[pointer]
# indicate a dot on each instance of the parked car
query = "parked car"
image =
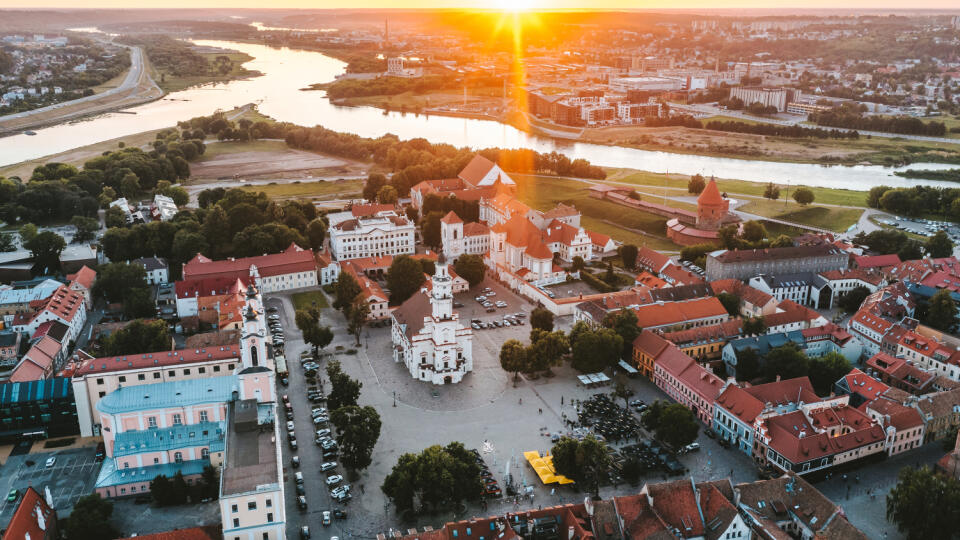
(334, 480)
(326, 518)
(295, 462)
(304, 532)
(323, 432)
(692, 447)
(298, 477)
(328, 466)
(51, 461)
(302, 502)
(339, 514)
(101, 452)
(13, 495)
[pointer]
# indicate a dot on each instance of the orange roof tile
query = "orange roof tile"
(710, 195)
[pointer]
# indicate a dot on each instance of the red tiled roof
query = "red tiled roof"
(63, 303)
(85, 276)
(650, 280)
(865, 385)
(714, 332)
(650, 343)
(901, 416)
(474, 172)
(597, 239)
(654, 315)
(877, 261)
(38, 362)
(157, 359)
(653, 260)
(200, 288)
(689, 373)
(451, 218)
(853, 273)
(475, 228)
(747, 403)
(25, 523)
(293, 259)
(364, 210)
(680, 276)
(710, 195)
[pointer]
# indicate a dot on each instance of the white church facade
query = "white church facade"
(428, 337)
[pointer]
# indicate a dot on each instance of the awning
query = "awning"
(543, 466)
(628, 368)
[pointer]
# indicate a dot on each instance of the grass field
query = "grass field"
(845, 197)
(827, 217)
(173, 83)
(306, 300)
(320, 189)
(544, 192)
(234, 147)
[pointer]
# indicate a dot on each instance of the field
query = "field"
(267, 159)
(306, 300)
(619, 222)
(874, 150)
(827, 217)
(321, 189)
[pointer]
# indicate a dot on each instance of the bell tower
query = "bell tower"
(253, 339)
(441, 298)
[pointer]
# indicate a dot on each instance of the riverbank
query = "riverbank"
(174, 83)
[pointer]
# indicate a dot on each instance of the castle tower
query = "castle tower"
(712, 208)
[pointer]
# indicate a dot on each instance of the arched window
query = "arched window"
(178, 457)
(204, 453)
(253, 354)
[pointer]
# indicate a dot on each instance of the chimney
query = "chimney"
(778, 378)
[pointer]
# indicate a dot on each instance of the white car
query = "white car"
(334, 480)
(328, 466)
(51, 461)
(290, 426)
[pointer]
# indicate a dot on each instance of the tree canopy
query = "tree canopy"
(358, 429)
(404, 278)
(438, 477)
(925, 504)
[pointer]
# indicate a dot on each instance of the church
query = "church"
(428, 337)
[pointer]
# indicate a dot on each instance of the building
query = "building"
(841, 282)
(687, 382)
(33, 519)
(804, 288)
(43, 359)
(929, 354)
(461, 238)
(744, 264)
(790, 507)
(157, 270)
(9, 348)
(681, 315)
(64, 305)
(647, 347)
(95, 378)
(428, 336)
(17, 297)
(900, 373)
(713, 212)
(327, 268)
(82, 282)
(941, 414)
(768, 97)
(37, 409)
(293, 268)
(705, 343)
(902, 424)
(753, 303)
(681, 509)
(813, 342)
(373, 295)
(377, 235)
(163, 208)
(251, 482)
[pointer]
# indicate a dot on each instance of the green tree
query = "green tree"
(187, 244)
(358, 430)
(346, 290)
(786, 361)
(803, 196)
(115, 217)
(316, 232)
(924, 504)
(470, 268)
(27, 232)
(731, 303)
(911, 250)
(578, 264)
(404, 278)
(178, 489)
(90, 519)
(597, 350)
(628, 253)
(430, 229)
(116, 280)
(753, 231)
(357, 317)
(942, 311)
(372, 186)
(826, 370)
(624, 323)
(754, 326)
(542, 319)
(46, 248)
(86, 228)
(344, 391)
(782, 241)
(621, 389)
(161, 489)
(677, 426)
(547, 349)
(851, 300)
(939, 245)
(130, 185)
(439, 476)
(771, 191)
(583, 461)
(139, 337)
(513, 357)
(748, 364)
(696, 184)
(387, 195)
(876, 192)
(139, 303)
(7, 242)
(400, 486)
(318, 337)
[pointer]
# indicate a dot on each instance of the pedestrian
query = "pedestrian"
(521, 401)
(541, 410)
(561, 400)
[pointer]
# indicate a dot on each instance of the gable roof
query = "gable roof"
(32, 518)
(85, 277)
(451, 218)
(483, 172)
(293, 259)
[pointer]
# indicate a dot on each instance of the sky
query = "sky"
(487, 4)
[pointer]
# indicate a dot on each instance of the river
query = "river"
(286, 71)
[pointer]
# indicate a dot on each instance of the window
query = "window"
(171, 373)
(152, 422)
(204, 453)
(203, 416)
(233, 508)
(269, 517)
(202, 370)
(156, 461)
(99, 381)
(216, 368)
(266, 536)
(141, 377)
(177, 420)
(178, 457)
(123, 378)
(230, 367)
(156, 374)
(186, 372)
(236, 522)
(252, 505)
(269, 503)
(101, 394)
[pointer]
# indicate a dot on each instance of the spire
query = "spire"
(711, 194)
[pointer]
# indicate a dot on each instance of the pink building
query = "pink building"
(686, 381)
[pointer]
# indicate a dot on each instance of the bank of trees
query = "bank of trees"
(777, 130)
(390, 86)
(852, 117)
(916, 200)
(140, 336)
(673, 423)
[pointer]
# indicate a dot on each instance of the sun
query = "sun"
(517, 5)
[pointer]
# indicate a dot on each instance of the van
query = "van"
(298, 477)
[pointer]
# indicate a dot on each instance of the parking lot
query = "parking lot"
(923, 227)
(72, 476)
(487, 411)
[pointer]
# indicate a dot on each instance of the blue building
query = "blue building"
(37, 409)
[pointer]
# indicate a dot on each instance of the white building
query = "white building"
(163, 208)
(157, 269)
(377, 235)
(428, 336)
(463, 238)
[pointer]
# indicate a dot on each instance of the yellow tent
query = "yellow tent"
(543, 466)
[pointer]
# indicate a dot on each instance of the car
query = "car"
(329, 445)
(323, 432)
(295, 462)
(101, 452)
(343, 497)
(637, 402)
(342, 489)
(271, 310)
(334, 480)
(475, 326)
(293, 444)
(317, 411)
(13, 495)
(51, 461)
(458, 304)
(492, 293)
(491, 310)
(298, 477)
(326, 518)
(304, 532)
(285, 398)
(692, 447)
(301, 490)
(284, 381)
(328, 466)
(711, 433)
(291, 436)
(339, 514)
(273, 317)
(302, 502)
(501, 304)
(320, 420)
(330, 454)
(289, 426)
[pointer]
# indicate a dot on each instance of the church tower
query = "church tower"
(451, 235)
(253, 338)
(441, 298)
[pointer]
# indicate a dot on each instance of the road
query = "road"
(137, 87)
(713, 110)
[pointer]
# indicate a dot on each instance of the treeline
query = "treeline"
(777, 130)
(58, 191)
(949, 175)
(916, 200)
(229, 223)
(389, 86)
(684, 120)
(849, 118)
(170, 55)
